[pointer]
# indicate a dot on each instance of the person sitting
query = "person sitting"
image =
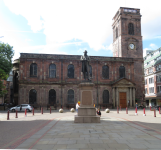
(98, 112)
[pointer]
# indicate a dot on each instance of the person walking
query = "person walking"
(77, 106)
(136, 106)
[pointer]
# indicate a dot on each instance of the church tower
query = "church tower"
(127, 39)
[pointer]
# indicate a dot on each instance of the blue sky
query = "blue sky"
(71, 26)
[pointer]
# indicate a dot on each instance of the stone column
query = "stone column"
(130, 96)
(117, 102)
(133, 97)
(113, 92)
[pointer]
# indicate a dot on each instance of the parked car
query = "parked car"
(24, 106)
(157, 107)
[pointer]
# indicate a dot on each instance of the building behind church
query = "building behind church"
(51, 79)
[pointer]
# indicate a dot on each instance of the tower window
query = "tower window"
(116, 33)
(131, 29)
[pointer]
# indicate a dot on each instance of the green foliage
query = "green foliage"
(6, 54)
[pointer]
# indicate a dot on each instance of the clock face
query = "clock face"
(131, 46)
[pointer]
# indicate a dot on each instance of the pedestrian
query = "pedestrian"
(136, 106)
(20, 107)
(77, 106)
(98, 112)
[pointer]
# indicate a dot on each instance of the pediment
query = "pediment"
(124, 83)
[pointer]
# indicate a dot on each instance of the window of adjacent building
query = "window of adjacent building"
(32, 96)
(33, 70)
(71, 96)
(122, 71)
(158, 89)
(151, 80)
(52, 71)
(131, 29)
(145, 90)
(70, 71)
(106, 97)
(52, 97)
(151, 70)
(145, 81)
(105, 72)
(151, 90)
(90, 70)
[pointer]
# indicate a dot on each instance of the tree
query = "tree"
(6, 54)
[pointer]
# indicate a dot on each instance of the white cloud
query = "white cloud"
(153, 46)
(89, 21)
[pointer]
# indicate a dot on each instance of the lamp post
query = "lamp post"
(97, 83)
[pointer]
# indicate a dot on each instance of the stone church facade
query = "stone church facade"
(50, 79)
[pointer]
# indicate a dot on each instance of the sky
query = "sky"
(72, 26)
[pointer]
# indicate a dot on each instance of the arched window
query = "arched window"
(33, 70)
(105, 97)
(90, 70)
(116, 33)
(52, 97)
(52, 71)
(131, 29)
(105, 72)
(71, 96)
(70, 71)
(122, 71)
(32, 96)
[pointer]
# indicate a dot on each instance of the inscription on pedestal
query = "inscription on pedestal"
(86, 98)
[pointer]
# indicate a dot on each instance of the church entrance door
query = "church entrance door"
(52, 97)
(122, 96)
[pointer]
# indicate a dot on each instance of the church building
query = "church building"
(53, 79)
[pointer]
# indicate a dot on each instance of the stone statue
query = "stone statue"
(85, 65)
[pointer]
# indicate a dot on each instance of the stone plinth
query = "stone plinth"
(86, 111)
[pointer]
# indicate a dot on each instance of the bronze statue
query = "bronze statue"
(85, 65)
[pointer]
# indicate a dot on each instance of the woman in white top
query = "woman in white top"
(77, 105)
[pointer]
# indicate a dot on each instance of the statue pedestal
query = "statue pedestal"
(86, 111)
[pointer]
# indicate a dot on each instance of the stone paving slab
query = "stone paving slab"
(92, 136)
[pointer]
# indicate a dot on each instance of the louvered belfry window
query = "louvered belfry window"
(105, 72)
(70, 96)
(52, 71)
(32, 96)
(33, 70)
(106, 97)
(70, 71)
(131, 29)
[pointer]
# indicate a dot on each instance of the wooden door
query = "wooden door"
(123, 102)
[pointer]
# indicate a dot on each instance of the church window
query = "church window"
(122, 71)
(71, 96)
(52, 71)
(105, 97)
(131, 29)
(90, 70)
(32, 96)
(33, 70)
(70, 71)
(52, 97)
(105, 72)
(116, 33)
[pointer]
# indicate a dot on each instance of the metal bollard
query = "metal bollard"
(154, 112)
(144, 112)
(33, 111)
(126, 110)
(150, 108)
(50, 109)
(136, 111)
(16, 114)
(25, 113)
(41, 110)
(8, 113)
(117, 110)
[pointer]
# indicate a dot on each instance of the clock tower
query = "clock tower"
(127, 39)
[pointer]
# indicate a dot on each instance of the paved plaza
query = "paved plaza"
(59, 132)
